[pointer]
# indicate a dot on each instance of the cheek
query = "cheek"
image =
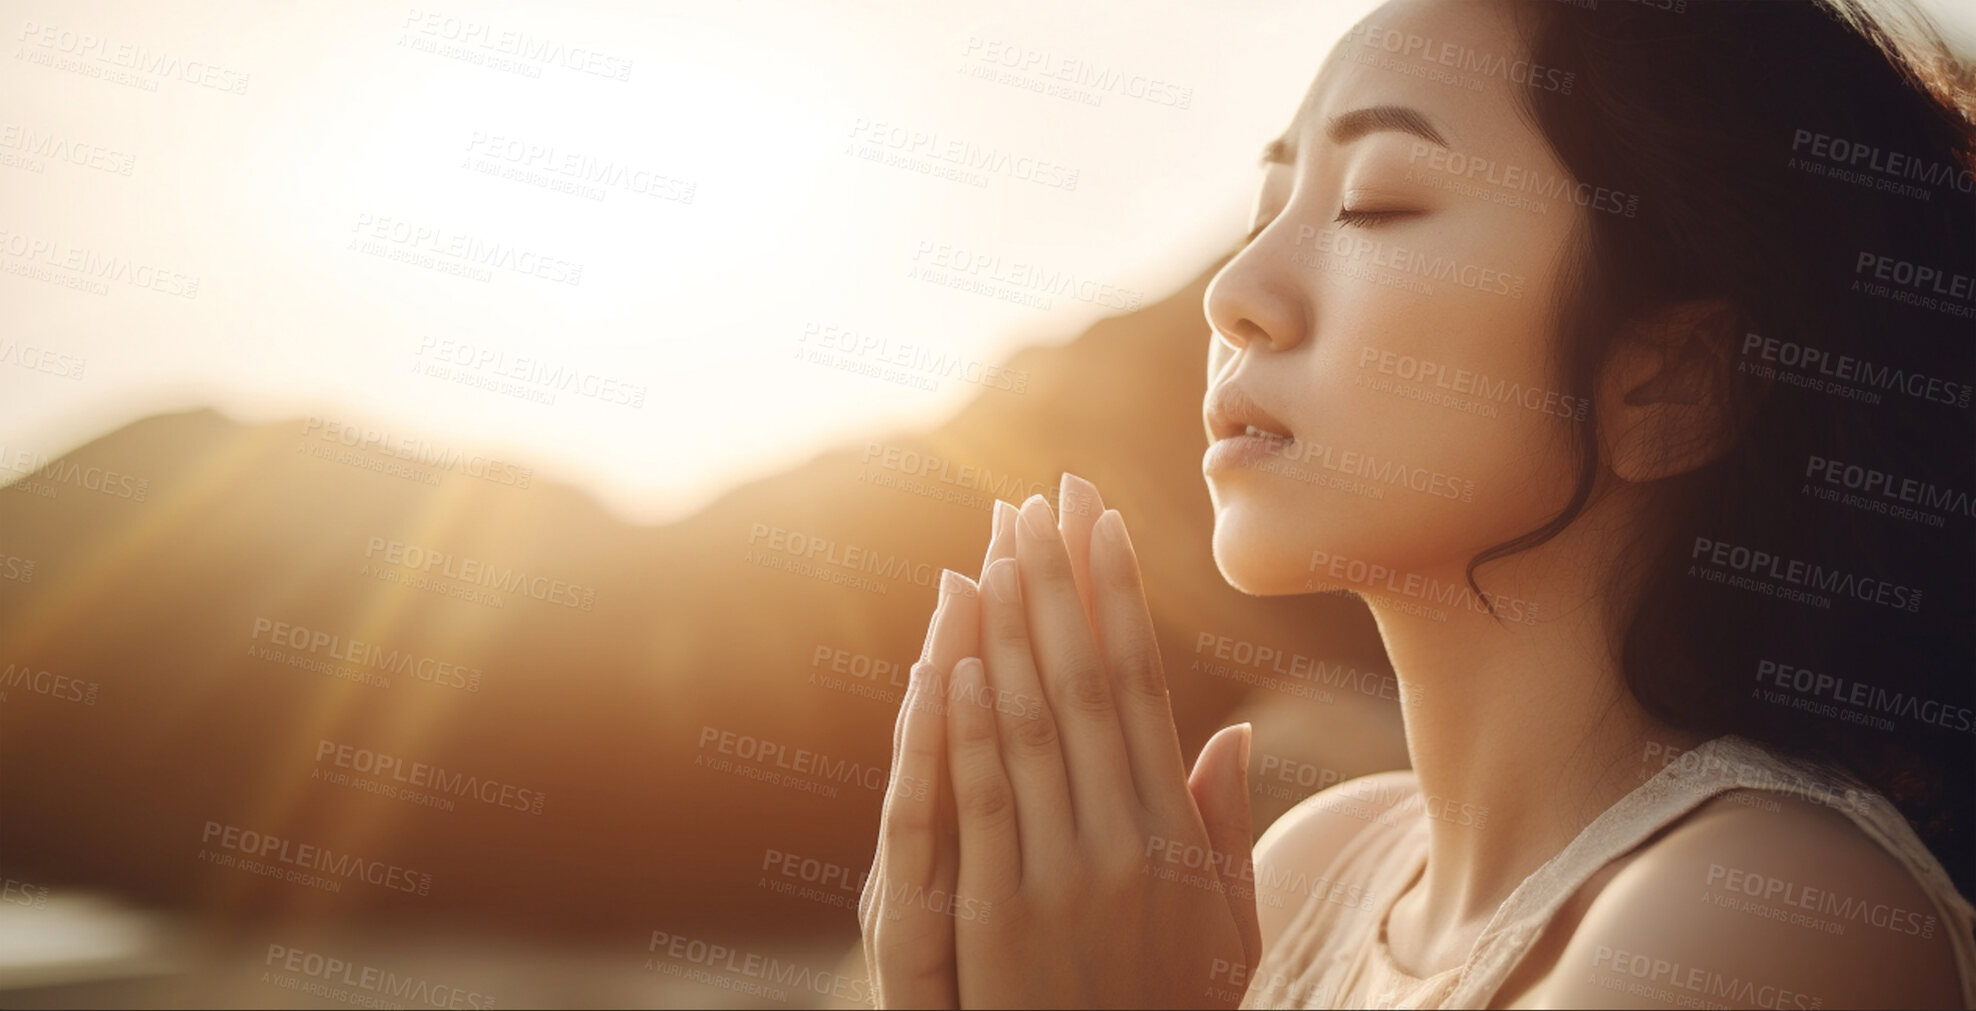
(1428, 429)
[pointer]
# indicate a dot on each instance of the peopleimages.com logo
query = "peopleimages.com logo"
(1799, 574)
(296, 861)
(477, 572)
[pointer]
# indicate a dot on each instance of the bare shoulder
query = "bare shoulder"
(1295, 853)
(1757, 900)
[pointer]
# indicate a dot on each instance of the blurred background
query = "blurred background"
(476, 475)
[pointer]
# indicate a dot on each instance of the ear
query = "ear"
(1664, 405)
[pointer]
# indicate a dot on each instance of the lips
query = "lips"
(1231, 413)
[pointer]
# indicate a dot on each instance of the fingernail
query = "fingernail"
(995, 522)
(952, 584)
(916, 675)
(923, 688)
(969, 676)
(1111, 527)
(1004, 520)
(1077, 496)
(932, 625)
(1036, 517)
(1248, 735)
(1001, 579)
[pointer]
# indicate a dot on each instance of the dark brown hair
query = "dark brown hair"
(1806, 163)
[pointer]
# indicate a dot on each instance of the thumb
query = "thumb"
(1220, 785)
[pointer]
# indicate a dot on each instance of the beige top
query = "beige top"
(1333, 953)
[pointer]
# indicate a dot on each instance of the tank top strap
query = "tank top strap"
(1321, 954)
(1729, 762)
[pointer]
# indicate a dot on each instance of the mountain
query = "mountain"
(163, 721)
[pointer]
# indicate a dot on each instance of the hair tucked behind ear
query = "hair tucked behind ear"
(1802, 161)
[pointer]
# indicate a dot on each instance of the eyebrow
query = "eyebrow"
(1350, 126)
(1347, 127)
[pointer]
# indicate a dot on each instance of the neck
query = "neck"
(1521, 731)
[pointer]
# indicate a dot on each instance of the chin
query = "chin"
(1257, 556)
(1265, 545)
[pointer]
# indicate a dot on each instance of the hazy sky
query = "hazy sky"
(648, 248)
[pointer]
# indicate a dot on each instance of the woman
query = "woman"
(1618, 354)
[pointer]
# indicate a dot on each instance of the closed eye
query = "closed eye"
(1356, 218)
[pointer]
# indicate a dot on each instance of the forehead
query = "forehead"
(1462, 63)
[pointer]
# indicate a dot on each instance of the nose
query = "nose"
(1256, 299)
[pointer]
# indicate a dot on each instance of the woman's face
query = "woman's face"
(1391, 318)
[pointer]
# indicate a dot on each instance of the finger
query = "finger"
(1220, 786)
(898, 736)
(1030, 748)
(871, 895)
(933, 627)
(911, 940)
(953, 633)
(1078, 507)
(1074, 680)
(984, 800)
(956, 627)
(908, 829)
(1131, 655)
(1001, 541)
(917, 846)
